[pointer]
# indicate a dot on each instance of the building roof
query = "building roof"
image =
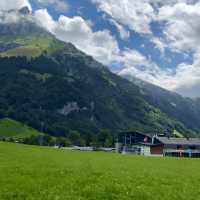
(180, 141)
(148, 144)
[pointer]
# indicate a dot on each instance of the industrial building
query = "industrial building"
(157, 145)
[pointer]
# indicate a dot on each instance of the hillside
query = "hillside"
(48, 81)
(186, 110)
(13, 129)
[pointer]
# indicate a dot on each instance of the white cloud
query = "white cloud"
(188, 78)
(159, 44)
(44, 19)
(6, 5)
(59, 5)
(137, 15)
(139, 66)
(132, 57)
(182, 25)
(124, 33)
(78, 31)
(181, 30)
(160, 3)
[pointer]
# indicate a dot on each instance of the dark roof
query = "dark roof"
(179, 141)
(148, 144)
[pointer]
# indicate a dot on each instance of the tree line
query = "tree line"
(103, 139)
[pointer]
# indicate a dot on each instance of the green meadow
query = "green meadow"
(30, 46)
(42, 173)
(12, 129)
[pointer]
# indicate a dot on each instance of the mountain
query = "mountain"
(24, 11)
(50, 84)
(185, 110)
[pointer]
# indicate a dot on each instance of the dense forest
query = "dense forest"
(59, 97)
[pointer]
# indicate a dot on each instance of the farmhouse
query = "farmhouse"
(146, 144)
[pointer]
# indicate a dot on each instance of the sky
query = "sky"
(155, 40)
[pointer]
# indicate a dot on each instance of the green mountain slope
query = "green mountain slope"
(30, 46)
(185, 110)
(12, 129)
(45, 80)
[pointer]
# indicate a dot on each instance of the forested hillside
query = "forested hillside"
(45, 81)
(186, 110)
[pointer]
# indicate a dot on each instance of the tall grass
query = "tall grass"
(39, 173)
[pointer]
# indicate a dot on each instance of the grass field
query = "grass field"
(11, 128)
(39, 173)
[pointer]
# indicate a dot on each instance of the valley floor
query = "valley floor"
(39, 173)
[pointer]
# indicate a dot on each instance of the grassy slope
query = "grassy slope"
(30, 46)
(11, 128)
(31, 173)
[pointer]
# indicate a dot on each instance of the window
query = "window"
(179, 146)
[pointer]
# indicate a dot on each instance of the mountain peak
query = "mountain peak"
(24, 10)
(21, 24)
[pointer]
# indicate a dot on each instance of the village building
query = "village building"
(157, 145)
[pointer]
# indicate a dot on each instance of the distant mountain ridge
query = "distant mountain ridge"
(186, 110)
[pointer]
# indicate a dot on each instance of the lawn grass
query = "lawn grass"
(39, 173)
(12, 129)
